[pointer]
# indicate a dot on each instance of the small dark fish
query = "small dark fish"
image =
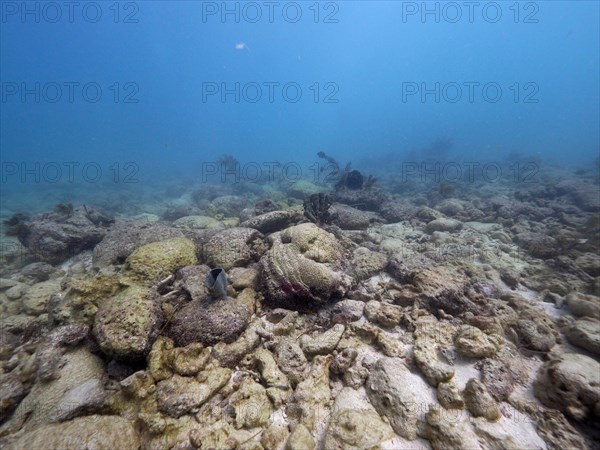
(216, 282)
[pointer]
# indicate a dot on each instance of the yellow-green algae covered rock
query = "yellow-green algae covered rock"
(197, 222)
(251, 405)
(97, 432)
(303, 188)
(355, 430)
(127, 324)
(81, 301)
(152, 262)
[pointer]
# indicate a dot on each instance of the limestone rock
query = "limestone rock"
(356, 430)
(197, 222)
(81, 301)
(443, 287)
(227, 205)
(559, 434)
(86, 398)
(189, 360)
(125, 236)
(234, 247)
(278, 386)
(390, 346)
(392, 397)
(322, 343)
(11, 393)
(354, 423)
(40, 405)
(353, 309)
(291, 360)
(349, 218)
(539, 245)
(479, 401)
(242, 278)
(191, 280)
(97, 432)
(303, 188)
(219, 435)
(491, 436)
(248, 297)
(38, 271)
(272, 221)
(443, 224)
(343, 360)
(471, 341)
(159, 358)
(383, 314)
(16, 290)
(444, 432)
(287, 325)
(127, 324)
(428, 214)
(300, 439)
(179, 395)
(312, 395)
(35, 299)
(497, 376)
(570, 383)
(53, 237)
(251, 405)
(229, 355)
(449, 396)
(429, 336)
(590, 263)
(585, 333)
(50, 353)
(209, 322)
(152, 262)
(273, 437)
(582, 305)
(535, 335)
(138, 385)
(366, 263)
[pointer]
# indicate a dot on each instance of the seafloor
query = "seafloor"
(397, 314)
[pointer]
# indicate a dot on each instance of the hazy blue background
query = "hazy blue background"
(368, 54)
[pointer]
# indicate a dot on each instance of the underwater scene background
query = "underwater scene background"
(299, 225)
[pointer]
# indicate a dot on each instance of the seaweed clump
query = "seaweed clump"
(347, 178)
(354, 180)
(17, 226)
(316, 208)
(64, 209)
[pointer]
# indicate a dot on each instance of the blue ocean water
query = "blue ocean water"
(296, 224)
(154, 91)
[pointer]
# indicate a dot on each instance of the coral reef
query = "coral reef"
(335, 314)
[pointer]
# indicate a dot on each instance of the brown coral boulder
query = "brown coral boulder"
(303, 268)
